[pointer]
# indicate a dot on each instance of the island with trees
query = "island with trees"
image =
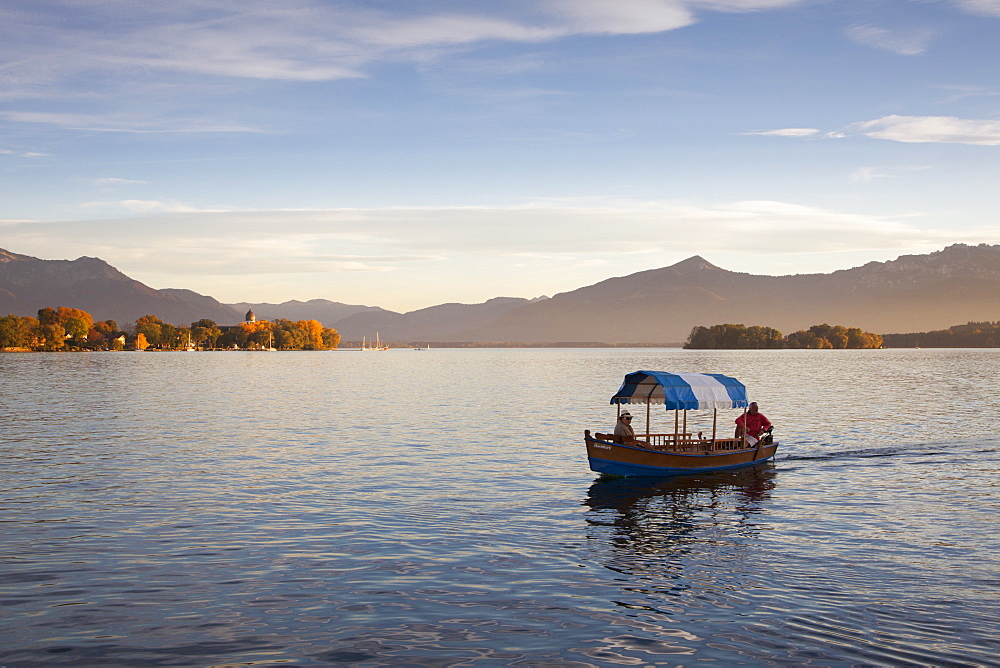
(67, 329)
(741, 337)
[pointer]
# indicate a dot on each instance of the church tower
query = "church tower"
(250, 317)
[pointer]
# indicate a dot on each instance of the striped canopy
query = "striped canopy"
(682, 391)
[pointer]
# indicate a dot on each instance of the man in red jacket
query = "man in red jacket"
(756, 422)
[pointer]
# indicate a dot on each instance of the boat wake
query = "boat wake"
(924, 449)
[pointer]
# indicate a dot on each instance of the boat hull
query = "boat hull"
(625, 460)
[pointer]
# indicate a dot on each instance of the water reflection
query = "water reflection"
(634, 497)
(652, 525)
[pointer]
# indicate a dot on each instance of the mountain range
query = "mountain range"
(28, 284)
(958, 284)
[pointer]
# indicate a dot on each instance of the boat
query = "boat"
(378, 344)
(682, 450)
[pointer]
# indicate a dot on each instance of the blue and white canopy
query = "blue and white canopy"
(682, 391)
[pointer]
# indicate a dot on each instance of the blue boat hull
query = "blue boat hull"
(616, 459)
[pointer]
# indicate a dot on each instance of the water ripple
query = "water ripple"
(227, 509)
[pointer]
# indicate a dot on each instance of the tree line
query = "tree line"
(970, 335)
(736, 337)
(67, 328)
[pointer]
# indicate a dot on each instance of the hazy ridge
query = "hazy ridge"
(913, 293)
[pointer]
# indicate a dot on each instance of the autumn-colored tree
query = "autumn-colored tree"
(18, 332)
(50, 329)
(856, 338)
(806, 339)
(256, 333)
(314, 334)
(66, 314)
(56, 327)
(103, 334)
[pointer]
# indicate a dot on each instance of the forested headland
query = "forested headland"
(67, 329)
(969, 335)
(738, 337)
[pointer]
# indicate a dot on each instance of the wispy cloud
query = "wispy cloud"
(141, 206)
(958, 93)
(179, 230)
(22, 154)
(785, 132)
(122, 123)
(599, 16)
(932, 129)
(387, 256)
(908, 129)
(904, 43)
(982, 7)
(111, 181)
(300, 40)
(867, 174)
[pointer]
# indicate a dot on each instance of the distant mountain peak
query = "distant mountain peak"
(694, 263)
(7, 256)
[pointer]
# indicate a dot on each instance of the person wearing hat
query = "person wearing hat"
(624, 432)
(755, 422)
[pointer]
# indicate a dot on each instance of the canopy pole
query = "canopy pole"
(676, 416)
(715, 418)
(744, 430)
(649, 402)
(685, 430)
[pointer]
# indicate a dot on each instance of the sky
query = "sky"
(406, 154)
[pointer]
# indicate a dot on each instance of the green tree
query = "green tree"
(288, 335)
(331, 338)
(700, 338)
(738, 336)
(76, 328)
(205, 336)
(205, 333)
(734, 336)
(169, 336)
(151, 328)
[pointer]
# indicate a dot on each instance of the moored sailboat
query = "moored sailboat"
(378, 344)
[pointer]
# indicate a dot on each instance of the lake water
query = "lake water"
(435, 508)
